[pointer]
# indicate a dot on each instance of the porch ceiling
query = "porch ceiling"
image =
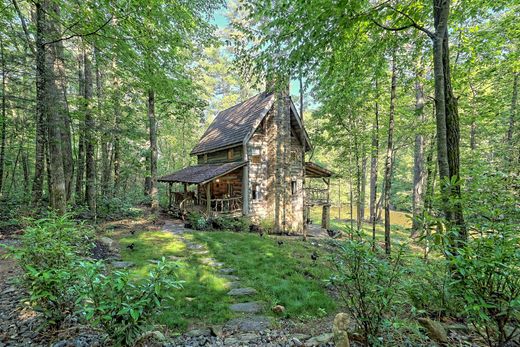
(313, 170)
(200, 174)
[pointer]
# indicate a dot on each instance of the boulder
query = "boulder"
(435, 330)
(319, 340)
(340, 330)
(109, 243)
(122, 264)
(278, 309)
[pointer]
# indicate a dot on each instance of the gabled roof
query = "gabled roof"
(200, 174)
(232, 125)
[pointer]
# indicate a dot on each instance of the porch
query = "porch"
(317, 192)
(215, 189)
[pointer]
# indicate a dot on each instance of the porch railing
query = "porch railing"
(316, 196)
(224, 205)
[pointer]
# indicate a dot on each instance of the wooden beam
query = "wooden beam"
(170, 184)
(185, 190)
(208, 198)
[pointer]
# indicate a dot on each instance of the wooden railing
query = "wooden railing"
(316, 196)
(224, 205)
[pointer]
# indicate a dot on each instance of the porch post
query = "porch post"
(208, 198)
(185, 190)
(170, 184)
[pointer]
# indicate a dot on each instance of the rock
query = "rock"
(122, 264)
(248, 324)
(109, 243)
(319, 340)
(9, 290)
(233, 284)
(247, 307)
(199, 332)
(216, 330)
(242, 291)
(211, 262)
(150, 339)
(230, 277)
(301, 337)
(226, 271)
(340, 330)
(278, 309)
(296, 342)
(435, 330)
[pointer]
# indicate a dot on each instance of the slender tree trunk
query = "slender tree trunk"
(389, 154)
(363, 186)
(431, 168)
(418, 166)
(153, 151)
(80, 172)
(4, 115)
(303, 160)
(374, 153)
(278, 163)
(52, 111)
(512, 120)
(117, 150)
(39, 157)
(65, 126)
(105, 134)
(90, 164)
(25, 166)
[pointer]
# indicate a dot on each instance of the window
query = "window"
(230, 154)
(293, 187)
(255, 193)
(230, 189)
(205, 158)
(256, 156)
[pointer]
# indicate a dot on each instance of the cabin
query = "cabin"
(251, 162)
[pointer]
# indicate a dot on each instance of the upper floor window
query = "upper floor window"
(293, 187)
(256, 157)
(230, 154)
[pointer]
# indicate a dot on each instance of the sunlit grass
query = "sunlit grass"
(282, 274)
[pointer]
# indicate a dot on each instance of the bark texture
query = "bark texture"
(153, 151)
(418, 164)
(90, 164)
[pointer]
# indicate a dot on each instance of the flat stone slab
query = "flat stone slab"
(211, 262)
(242, 291)
(230, 277)
(199, 332)
(195, 246)
(202, 252)
(240, 339)
(247, 307)
(122, 264)
(227, 271)
(233, 284)
(248, 324)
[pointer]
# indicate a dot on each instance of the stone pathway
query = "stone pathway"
(250, 322)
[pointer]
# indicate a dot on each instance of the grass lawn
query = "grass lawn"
(282, 274)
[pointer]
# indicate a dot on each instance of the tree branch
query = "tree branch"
(413, 24)
(24, 27)
(81, 35)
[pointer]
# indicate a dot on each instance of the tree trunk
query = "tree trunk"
(65, 126)
(447, 122)
(363, 186)
(4, 116)
(374, 153)
(512, 120)
(105, 132)
(388, 159)
(153, 151)
(90, 164)
(39, 156)
(80, 172)
(418, 165)
(304, 230)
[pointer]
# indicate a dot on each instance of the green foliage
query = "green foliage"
(197, 221)
(115, 208)
(368, 283)
(267, 225)
(121, 306)
(487, 280)
(49, 251)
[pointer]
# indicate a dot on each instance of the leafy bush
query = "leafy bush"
(122, 307)
(368, 284)
(241, 224)
(267, 225)
(197, 221)
(49, 251)
(488, 283)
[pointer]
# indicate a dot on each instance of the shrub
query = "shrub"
(50, 248)
(241, 224)
(267, 225)
(488, 282)
(197, 221)
(120, 306)
(368, 284)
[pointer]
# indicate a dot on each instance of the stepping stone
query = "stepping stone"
(242, 291)
(203, 252)
(240, 339)
(226, 271)
(230, 277)
(233, 284)
(199, 332)
(175, 258)
(248, 324)
(211, 262)
(195, 246)
(122, 264)
(247, 307)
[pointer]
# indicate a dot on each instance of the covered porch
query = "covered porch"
(317, 191)
(218, 189)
